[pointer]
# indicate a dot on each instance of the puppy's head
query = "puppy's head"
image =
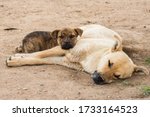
(116, 65)
(67, 37)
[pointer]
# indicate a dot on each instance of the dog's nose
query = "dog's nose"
(97, 78)
(66, 46)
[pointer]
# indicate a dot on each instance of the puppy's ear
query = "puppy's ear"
(78, 31)
(54, 34)
(138, 69)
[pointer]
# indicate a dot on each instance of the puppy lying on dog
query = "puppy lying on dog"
(42, 40)
(98, 52)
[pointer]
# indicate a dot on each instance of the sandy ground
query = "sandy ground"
(130, 18)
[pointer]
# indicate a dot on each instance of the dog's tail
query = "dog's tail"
(19, 49)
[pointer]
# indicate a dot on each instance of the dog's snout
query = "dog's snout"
(97, 78)
(66, 42)
(66, 46)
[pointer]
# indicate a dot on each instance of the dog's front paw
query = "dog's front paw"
(13, 61)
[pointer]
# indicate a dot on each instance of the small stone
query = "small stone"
(1, 5)
(43, 70)
(108, 96)
(25, 88)
(132, 27)
(107, 2)
(45, 91)
(89, 22)
(41, 84)
(18, 88)
(78, 11)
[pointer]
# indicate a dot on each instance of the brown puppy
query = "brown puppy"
(42, 40)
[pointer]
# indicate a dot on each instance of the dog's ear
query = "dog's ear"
(54, 34)
(78, 31)
(142, 69)
(117, 46)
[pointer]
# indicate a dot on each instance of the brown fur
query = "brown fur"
(37, 41)
(42, 40)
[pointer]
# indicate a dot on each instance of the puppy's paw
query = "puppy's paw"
(19, 49)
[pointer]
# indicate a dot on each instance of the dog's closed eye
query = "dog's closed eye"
(110, 64)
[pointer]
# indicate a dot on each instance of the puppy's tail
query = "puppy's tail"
(19, 49)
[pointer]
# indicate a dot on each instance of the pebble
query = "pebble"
(41, 84)
(1, 5)
(107, 2)
(79, 93)
(18, 88)
(108, 96)
(25, 88)
(43, 70)
(132, 27)
(45, 91)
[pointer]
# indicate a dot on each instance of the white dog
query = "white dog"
(98, 51)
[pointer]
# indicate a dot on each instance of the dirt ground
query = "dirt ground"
(130, 18)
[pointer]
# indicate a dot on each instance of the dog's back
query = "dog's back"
(98, 31)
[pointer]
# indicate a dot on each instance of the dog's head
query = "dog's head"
(115, 65)
(67, 37)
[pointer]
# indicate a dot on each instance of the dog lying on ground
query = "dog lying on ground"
(42, 40)
(98, 52)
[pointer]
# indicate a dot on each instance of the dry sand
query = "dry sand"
(130, 18)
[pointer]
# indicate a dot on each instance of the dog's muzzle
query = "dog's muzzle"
(97, 78)
(66, 46)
